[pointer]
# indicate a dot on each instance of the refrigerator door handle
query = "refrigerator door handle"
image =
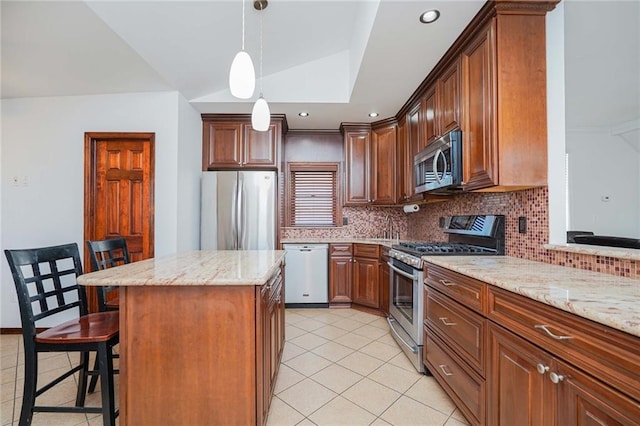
(239, 207)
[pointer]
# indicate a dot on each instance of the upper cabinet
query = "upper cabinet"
(448, 106)
(504, 123)
(229, 142)
(370, 163)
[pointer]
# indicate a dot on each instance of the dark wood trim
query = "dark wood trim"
(387, 122)
(13, 330)
(245, 117)
(354, 127)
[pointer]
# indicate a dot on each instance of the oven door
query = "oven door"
(406, 298)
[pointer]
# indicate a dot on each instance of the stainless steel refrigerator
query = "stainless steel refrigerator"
(238, 210)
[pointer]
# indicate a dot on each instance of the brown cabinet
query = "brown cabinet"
(553, 392)
(504, 104)
(455, 325)
(366, 289)
(370, 163)
(448, 106)
(430, 124)
(384, 165)
(340, 274)
(505, 359)
(232, 143)
(272, 333)
(410, 142)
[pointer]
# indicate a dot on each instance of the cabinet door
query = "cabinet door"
(260, 148)
(480, 150)
(429, 105)
(517, 393)
(265, 369)
(340, 271)
(584, 400)
(383, 166)
(357, 146)
(412, 147)
(222, 145)
(449, 99)
(365, 282)
(405, 185)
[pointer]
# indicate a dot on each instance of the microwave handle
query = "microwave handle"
(435, 165)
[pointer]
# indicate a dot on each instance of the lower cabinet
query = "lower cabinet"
(272, 334)
(528, 386)
(340, 274)
(505, 359)
(384, 280)
(366, 289)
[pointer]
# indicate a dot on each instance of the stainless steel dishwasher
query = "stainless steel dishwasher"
(306, 275)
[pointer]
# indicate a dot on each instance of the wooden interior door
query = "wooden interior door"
(119, 183)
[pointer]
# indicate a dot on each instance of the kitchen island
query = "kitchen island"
(201, 336)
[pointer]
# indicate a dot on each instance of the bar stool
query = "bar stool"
(45, 280)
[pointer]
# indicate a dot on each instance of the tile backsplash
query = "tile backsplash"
(369, 222)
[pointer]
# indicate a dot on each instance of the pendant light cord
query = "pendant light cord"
(243, 1)
(261, 13)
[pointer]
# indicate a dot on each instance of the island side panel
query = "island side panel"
(188, 355)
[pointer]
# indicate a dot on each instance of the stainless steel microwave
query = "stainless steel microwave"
(438, 168)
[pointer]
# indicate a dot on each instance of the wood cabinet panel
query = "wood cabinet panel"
(358, 168)
(462, 384)
(383, 162)
(603, 351)
(365, 282)
(448, 109)
(340, 274)
(260, 147)
(366, 250)
(467, 291)
(384, 280)
(518, 393)
(222, 145)
(461, 328)
(431, 125)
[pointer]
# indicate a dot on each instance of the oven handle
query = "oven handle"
(401, 272)
(413, 349)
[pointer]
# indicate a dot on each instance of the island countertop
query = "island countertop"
(194, 268)
(603, 298)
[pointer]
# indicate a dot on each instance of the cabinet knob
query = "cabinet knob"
(556, 378)
(542, 368)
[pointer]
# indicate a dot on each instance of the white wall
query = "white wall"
(189, 172)
(43, 145)
(602, 165)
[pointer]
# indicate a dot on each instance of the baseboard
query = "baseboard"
(306, 305)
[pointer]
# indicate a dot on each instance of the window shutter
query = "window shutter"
(313, 195)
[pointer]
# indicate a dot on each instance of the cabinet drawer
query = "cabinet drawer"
(464, 386)
(468, 291)
(366, 250)
(340, 250)
(597, 349)
(460, 328)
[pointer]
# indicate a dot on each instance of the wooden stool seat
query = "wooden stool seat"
(99, 327)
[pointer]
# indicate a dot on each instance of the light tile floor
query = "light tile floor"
(339, 367)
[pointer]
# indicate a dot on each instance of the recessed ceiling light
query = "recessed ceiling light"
(373, 114)
(430, 16)
(303, 114)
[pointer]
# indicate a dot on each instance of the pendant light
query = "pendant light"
(260, 115)
(242, 77)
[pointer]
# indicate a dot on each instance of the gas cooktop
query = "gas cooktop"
(421, 248)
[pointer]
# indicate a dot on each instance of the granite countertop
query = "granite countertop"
(603, 298)
(616, 252)
(345, 240)
(210, 268)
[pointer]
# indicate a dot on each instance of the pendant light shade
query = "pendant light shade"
(242, 77)
(260, 115)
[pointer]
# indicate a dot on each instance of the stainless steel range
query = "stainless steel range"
(468, 235)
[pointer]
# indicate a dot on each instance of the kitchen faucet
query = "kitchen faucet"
(388, 231)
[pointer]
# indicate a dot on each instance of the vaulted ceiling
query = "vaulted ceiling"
(338, 60)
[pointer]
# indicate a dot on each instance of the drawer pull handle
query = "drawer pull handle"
(542, 368)
(445, 370)
(556, 378)
(445, 321)
(447, 283)
(555, 336)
